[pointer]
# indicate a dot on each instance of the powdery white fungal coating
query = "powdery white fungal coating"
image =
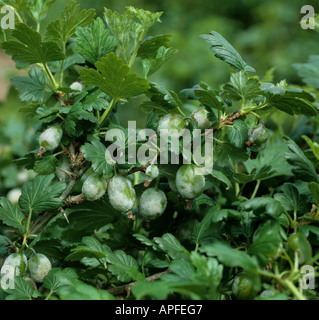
(17, 261)
(152, 171)
(77, 86)
(94, 187)
(39, 267)
(174, 123)
(153, 203)
(51, 138)
(23, 176)
(188, 184)
(121, 194)
(200, 116)
(259, 137)
(14, 195)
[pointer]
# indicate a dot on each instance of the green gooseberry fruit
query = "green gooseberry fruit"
(174, 123)
(17, 261)
(243, 287)
(259, 138)
(152, 171)
(50, 139)
(94, 187)
(153, 203)
(121, 194)
(200, 116)
(39, 267)
(189, 184)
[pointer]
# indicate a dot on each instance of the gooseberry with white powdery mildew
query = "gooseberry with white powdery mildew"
(39, 267)
(14, 195)
(152, 173)
(76, 86)
(17, 262)
(201, 117)
(121, 194)
(94, 187)
(189, 184)
(50, 139)
(258, 138)
(174, 123)
(153, 203)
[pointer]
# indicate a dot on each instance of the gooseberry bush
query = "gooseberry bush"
(89, 227)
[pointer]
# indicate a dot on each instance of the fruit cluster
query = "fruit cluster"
(33, 270)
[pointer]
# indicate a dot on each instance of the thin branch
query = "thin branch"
(125, 289)
(229, 120)
(42, 220)
(133, 170)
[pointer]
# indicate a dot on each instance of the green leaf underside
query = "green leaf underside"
(39, 8)
(225, 51)
(309, 71)
(33, 88)
(302, 166)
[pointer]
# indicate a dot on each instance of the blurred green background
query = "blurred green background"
(266, 33)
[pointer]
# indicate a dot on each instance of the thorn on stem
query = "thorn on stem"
(66, 218)
(147, 182)
(130, 215)
(41, 152)
(189, 204)
(70, 174)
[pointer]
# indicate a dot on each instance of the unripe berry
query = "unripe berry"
(188, 184)
(152, 171)
(39, 267)
(243, 287)
(50, 139)
(94, 187)
(14, 195)
(76, 86)
(16, 262)
(121, 194)
(153, 203)
(23, 176)
(258, 138)
(200, 116)
(174, 123)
